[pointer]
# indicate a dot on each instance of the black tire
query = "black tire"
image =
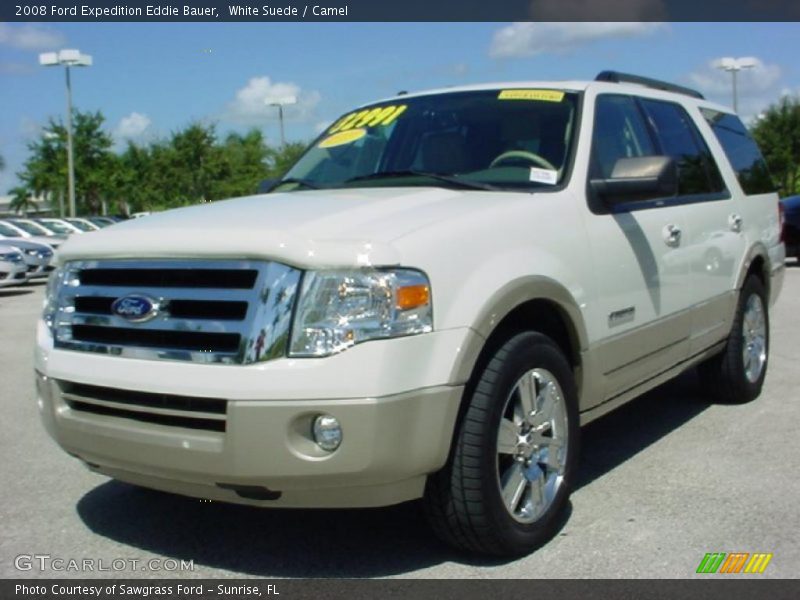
(724, 376)
(463, 501)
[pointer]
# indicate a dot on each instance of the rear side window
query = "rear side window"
(680, 139)
(741, 150)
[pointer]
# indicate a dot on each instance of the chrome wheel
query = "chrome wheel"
(532, 445)
(754, 333)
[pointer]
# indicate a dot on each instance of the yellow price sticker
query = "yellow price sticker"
(370, 117)
(342, 137)
(536, 95)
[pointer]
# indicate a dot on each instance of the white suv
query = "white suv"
(432, 301)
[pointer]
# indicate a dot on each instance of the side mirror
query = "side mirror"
(638, 178)
(267, 185)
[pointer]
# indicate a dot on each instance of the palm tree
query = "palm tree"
(21, 201)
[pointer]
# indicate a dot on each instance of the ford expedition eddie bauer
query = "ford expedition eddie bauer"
(429, 304)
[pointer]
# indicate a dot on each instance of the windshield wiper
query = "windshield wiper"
(299, 181)
(463, 183)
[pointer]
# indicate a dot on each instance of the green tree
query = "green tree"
(45, 171)
(21, 201)
(777, 132)
(284, 158)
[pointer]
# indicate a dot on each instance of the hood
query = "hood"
(308, 228)
(25, 244)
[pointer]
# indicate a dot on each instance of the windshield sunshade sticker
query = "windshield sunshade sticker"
(536, 95)
(374, 117)
(342, 137)
(547, 176)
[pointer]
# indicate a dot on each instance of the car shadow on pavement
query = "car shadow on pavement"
(346, 543)
(10, 293)
(623, 433)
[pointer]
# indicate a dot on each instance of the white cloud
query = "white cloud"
(249, 106)
(30, 37)
(757, 87)
(529, 39)
(759, 78)
(135, 125)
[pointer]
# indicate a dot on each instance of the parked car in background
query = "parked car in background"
(13, 270)
(61, 226)
(791, 225)
(11, 232)
(31, 227)
(102, 221)
(37, 256)
(83, 224)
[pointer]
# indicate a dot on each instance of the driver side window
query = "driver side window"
(619, 132)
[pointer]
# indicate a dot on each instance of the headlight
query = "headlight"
(338, 309)
(50, 305)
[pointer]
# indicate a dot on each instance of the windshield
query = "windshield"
(7, 231)
(81, 225)
(495, 139)
(56, 227)
(32, 228)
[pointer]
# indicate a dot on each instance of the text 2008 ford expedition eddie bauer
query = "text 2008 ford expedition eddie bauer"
(428, 305)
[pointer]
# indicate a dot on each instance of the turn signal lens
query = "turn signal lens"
(412, 296)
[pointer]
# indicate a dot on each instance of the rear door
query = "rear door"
(712, 239)
(641, 312)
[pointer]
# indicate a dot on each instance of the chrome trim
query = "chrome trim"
(264, 330)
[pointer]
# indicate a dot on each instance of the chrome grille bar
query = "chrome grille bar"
(220, 311)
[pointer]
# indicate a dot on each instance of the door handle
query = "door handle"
(672, 235)
(735, 223)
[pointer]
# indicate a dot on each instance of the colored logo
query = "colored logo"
(135, 308)
(734, 562)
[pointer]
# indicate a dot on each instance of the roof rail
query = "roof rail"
(617, 77)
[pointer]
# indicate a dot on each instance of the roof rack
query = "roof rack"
(617, 77)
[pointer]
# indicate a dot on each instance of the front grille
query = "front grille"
(234, 279)
(162, 409)
(229, 312)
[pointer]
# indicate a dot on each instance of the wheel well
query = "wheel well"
(544, 316)
(759, 268)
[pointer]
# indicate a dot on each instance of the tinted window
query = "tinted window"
(679, 138)
(619, 132)
(742, 152)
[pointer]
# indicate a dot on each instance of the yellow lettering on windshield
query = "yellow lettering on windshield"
(380, 116)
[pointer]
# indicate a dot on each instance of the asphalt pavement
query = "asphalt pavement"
(663, 481)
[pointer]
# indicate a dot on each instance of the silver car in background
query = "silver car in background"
(13, 269)
(38, 257)
(12, 233)
(32, 231)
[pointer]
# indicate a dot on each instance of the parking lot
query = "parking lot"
(663, 481)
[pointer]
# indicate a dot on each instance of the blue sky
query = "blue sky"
(152, 78)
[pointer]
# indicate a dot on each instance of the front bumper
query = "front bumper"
(15, 274)
(392, 437)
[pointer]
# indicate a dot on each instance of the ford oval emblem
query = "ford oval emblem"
(135, 308)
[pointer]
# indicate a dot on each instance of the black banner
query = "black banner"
(351, 589)
(407, 10)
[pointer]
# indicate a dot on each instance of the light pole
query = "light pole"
(280, 103)
(67, 58)
(733, 66)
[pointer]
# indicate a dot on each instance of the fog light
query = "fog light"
(327, 432)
